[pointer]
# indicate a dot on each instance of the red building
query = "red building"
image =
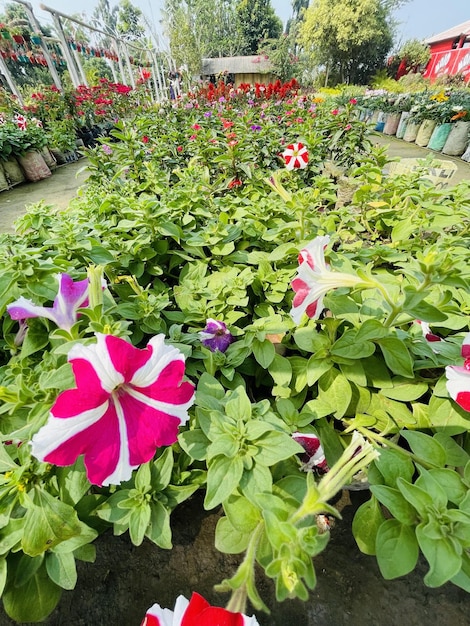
(450, 53)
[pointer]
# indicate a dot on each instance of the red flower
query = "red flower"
(179, 149)
(235, 183)
(145, 139)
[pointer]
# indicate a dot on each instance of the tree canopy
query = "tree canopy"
(350, 38)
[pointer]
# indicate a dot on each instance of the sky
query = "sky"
(417, 19)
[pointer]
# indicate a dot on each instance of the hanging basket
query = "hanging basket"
(34, 166)
(13, 172)
(425, 132)
(36, 39)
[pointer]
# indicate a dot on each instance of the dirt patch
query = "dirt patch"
(124, 581)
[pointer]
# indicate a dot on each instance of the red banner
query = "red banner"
(449, 63)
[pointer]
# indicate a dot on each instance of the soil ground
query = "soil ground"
(126, 580)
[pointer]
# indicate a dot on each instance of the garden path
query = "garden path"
(57, 190)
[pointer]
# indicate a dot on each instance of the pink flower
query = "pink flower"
(196, 127)
(127, 403)
(295, 156)
(196, 612)
(335, 112)
(428, 335)
(353, 101)
(314, 280)
(145, 139)
(458, 377)
(70, 297)
(348, 127)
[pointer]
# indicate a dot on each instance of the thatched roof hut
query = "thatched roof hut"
(250, 69)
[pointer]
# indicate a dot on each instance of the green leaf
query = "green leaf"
(100, 255)
(425, 447)
(244, 516)
(397, 549)
(36, 339)
(336, 390)
(60, 379)
(455, 455)
(34, 601)
(161, 470)
(445, 414)
(223, 477)
(86, 536)
(194, 443)
(48, 521)
(238, 406)
(347, 346)
(396, 356)
(256, 481)
(365, 526)
(420, 499)
(316, 368)
(73, 482)
(444, 562)
(400, 508)
(404, 390)
(451, 483)
(61, 569)
(274, 447)
(228, 539)
(138, 522)
(3, 575)
(264, 352)
(402, 230)
(371, 330)
(159, 530)
(281, 370)
(393, 464)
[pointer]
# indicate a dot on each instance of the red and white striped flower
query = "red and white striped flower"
(195, 612)
(295, 156)
(458, 377)
(314, 280)
(127, 403)
(21, 121)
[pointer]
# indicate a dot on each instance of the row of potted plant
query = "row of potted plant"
(440, 121)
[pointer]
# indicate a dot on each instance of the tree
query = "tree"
(202, 28)
(129, 21)
(258, 22)
(350, 38)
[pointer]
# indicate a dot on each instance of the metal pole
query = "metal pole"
(37, 28)
(80, 67)
(11, 83)
(70, 61)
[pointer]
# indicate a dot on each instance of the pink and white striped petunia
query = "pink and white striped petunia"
(458, 377)
(196, 612)
(314, 280)
(127, 403)
(70, 297)
(295, 156)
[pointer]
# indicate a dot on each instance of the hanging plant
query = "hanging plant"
(36, 39)
(18, 38)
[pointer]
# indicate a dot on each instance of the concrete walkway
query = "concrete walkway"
(57, 190)
(61, 187)
(407, 150)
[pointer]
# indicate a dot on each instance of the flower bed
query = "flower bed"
(207, 316)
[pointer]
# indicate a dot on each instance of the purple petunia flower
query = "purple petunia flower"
(216, 336)
(255, 127)
(208, 114)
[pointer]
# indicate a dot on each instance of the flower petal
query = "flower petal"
(458, 385)
(23, 309)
